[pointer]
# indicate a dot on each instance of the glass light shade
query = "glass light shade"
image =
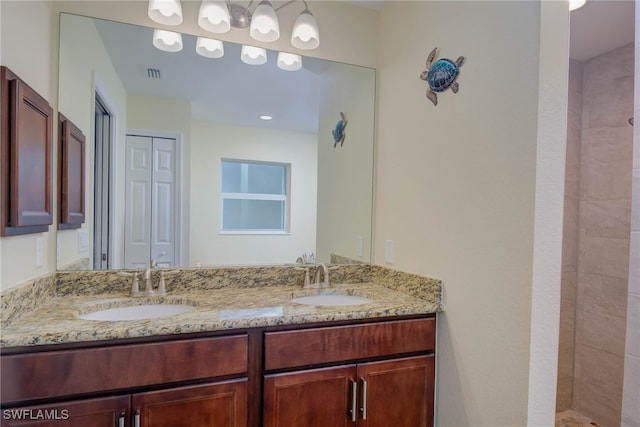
(167, 40)
(289, 61)
(253, 55)
(214, 16)
(576, 4)
(305, 33)
(264, 23)
(209, 48)
(166, 12)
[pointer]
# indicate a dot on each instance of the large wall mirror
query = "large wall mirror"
(182, 171)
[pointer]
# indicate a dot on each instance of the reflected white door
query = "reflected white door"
(150, 207)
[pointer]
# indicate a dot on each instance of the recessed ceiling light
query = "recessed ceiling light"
(265, 117)
(576, 4)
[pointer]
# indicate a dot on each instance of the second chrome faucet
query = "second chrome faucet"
(321, 273)
(148, 280)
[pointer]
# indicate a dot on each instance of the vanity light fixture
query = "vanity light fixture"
(209, 48)
(576, 4)
(166, 12)
(167, 40)
(219, 16)
(253, 55)
(264, 24)
(305, 33)
(266, 117)
(214, 16)
(289, 61)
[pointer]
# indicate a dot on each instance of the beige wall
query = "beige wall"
(345, 171)
(30, 51)
(455, 191)
(454, 183)
(213, 142)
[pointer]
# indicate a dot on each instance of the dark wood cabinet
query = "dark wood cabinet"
(377, 394)
(55, 374)
(370, 373)
(26, 148)
(71, 192)
(397, 392)
(221, 404)
(310, 398)
(101, 412)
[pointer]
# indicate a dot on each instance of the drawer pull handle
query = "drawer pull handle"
(136, 419)
(363, 409)
(354, 401)
(121, 419)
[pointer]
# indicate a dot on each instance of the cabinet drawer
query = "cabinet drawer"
(290, 349)
(72, 372)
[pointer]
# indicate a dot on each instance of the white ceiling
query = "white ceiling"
(600, 26)
(223, 90)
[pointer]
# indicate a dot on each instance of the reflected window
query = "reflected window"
(255, 197)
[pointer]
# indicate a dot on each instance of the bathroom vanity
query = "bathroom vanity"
(245, 356)
(366, 373)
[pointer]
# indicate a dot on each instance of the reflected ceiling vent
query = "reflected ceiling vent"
(154, 73)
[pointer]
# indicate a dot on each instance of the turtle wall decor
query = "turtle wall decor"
(441, 75)
(338, 132)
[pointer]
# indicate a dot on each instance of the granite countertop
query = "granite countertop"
(56, 321)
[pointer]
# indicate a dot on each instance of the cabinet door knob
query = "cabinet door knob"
(354, 401)
(363, 408)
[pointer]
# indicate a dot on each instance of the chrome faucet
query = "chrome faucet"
(148, 279)
(148, 290)
(322, 268)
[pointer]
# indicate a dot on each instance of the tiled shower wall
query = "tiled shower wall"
(570, 240)
(598, 239)
(631, 396)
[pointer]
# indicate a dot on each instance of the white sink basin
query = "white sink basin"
(137, 312)
(331, 300)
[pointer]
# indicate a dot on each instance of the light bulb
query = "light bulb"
(264, 23)
(209, 48)
(289, 61)
(166, 12)
(253, 55)
(305, 33)
(167, 40)
(214, 16)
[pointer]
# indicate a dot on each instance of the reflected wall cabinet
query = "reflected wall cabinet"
(26, 146)
(71, 174)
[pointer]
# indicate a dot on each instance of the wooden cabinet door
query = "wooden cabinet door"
(31, 158)
(221, 404)
(397, 393)
(103, 412)
(71, 174)
(26, 158)
(311, 398)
